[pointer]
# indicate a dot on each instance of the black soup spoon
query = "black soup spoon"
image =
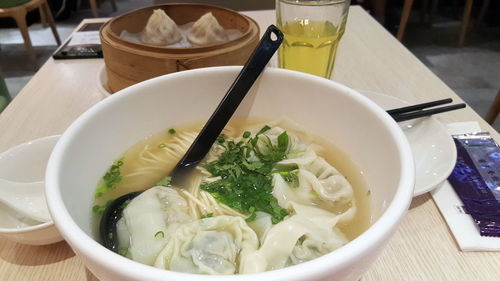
(207, 136)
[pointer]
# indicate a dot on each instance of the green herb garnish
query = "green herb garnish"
(220, 139)
(171, 131)
(159, 234)
(209, 215)
(246, 134)
(247, 186)
(99, 209)
(291, 177)
(252, 217)
(125, 204)
(166, 181)
(110, 179)
(123, 251)
(162, 145)
(263, 130)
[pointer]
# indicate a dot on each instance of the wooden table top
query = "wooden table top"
(368, 58)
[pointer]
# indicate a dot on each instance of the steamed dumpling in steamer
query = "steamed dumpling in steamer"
(160, 30)
(207, 30)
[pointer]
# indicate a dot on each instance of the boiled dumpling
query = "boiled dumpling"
(215, 245)
(319, 183)
(308, 234)
(331, 184)
(206, 30)
(146, 221)
(261, 225)
(160, 30)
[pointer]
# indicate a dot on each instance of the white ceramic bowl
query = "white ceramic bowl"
(350, 121)
(26, 163)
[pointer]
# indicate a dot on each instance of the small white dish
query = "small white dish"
(102, 81)
(26, 163)
(433, 148)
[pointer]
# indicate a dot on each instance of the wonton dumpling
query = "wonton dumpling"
(152, 212)
(261, 225)
(209, 246)
(308, 234)
(330, 184)
(206, 30)
(160, 30)
(317, 178)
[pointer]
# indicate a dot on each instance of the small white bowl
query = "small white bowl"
(349, 120)
(27, 163)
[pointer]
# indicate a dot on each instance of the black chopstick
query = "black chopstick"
(422, 113)
(419, 106)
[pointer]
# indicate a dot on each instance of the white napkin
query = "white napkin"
(461, 224)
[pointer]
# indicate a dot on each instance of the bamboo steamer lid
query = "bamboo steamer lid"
(128, 63)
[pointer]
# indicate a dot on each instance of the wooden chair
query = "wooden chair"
(464, 27)
(492, 114)
(405, 14)
(18, 13)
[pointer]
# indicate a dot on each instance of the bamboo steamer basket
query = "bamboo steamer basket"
(128, 63)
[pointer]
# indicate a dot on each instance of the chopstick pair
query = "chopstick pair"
(416, 111)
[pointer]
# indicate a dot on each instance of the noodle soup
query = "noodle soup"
(267, 196)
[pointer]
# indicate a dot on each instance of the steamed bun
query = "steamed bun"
(206, 30)
(160, 30)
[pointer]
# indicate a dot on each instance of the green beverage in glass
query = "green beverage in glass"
(312, 31)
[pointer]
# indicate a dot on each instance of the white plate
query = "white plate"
(102, 81)
(433, 148)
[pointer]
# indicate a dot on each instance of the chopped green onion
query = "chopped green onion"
(247, 186)
(209, 215)
(283, 141)
(123, 251)
(291, 177)
(159, 234)
(166, 181)
(162, 145)
(263, 130)
(110, 179)
(220, 139)
(99, 209)
(171, 131)
(246, 134)
(251, 218)
(100, 191)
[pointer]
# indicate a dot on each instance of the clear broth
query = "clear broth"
(335, 156)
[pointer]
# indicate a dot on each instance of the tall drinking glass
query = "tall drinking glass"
(312, 31)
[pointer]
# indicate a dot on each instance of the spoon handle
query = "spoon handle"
(250, 72)
(212, 129)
